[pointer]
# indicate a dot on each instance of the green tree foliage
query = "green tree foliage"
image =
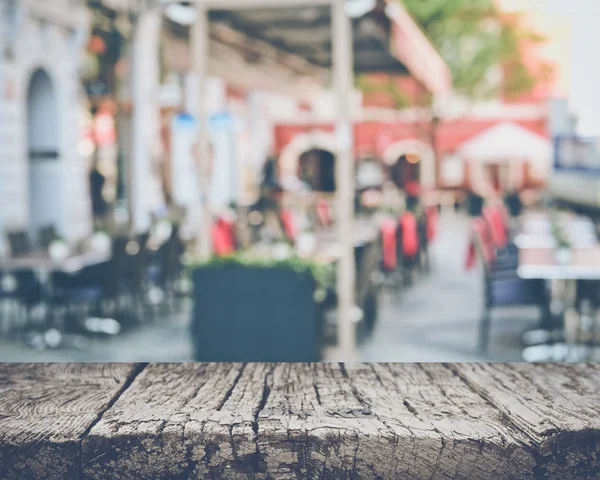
(388, 86)
(474, 37)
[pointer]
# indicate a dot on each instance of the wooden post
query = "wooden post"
(343, 75)
(200, 42)
(145, 82)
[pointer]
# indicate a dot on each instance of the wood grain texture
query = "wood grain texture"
(46, 409)
(318, 421)
(556, 406)
(180, 421)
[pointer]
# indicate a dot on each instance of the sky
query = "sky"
(572, 28)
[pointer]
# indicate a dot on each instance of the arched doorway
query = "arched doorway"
(302, 144)
(45, 176)
(317, 169)
(411, 160)
(406, 170)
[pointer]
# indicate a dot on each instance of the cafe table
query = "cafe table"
(584, 265)
(364, 231)
(43, 265)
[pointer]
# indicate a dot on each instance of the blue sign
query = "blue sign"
(221, 121)
(185, 120)
(577, 154)
(216, 123)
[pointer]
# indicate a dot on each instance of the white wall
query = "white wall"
(2, 137)
(585, 72)
(46, 203)
(55, 49)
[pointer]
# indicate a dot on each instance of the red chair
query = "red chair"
(388, 235)
(481, 235)
(323, 213)
(410, 234)
(432, 218)
(471, 259)
(289, 224)
(493, 216)
(413, 189)
(409, 245)
(223, 237)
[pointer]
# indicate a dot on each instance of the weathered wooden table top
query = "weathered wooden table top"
(292, 421)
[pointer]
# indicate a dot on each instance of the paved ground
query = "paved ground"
(435, 321)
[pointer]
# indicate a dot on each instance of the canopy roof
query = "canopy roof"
(386, 39)
(505, 142)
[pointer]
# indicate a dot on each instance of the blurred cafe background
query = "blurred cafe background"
(299, 180)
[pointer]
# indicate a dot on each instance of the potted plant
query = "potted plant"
(252, 307)
(562, 248)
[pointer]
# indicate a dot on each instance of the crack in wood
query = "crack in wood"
(230, 390)
(296, 421)
(543, 445)
(137, 369)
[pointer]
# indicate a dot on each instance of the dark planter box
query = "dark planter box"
(253, 314)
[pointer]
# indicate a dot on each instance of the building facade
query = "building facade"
(43, 181)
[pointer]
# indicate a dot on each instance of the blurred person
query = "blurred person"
(413, 196)
(475, 203)
(166, 160)
(392, 199)
(513, 203)
(265, 214)
(97, 183)
(369, 186)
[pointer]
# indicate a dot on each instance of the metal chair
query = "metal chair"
(20, 243)
(11, 303)
(504, 288)
(46, 236)
(171, 268)
(408, 242)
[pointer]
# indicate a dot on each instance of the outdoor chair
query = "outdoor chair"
(391, 252)
(223, 237)
(120, 288)
(25, 293)
(323, 213)
(142, 278)
(588, 302)
(496, 260)
(504, 288)
(423, 231)
(13, 299)
(498, 225)
(20, 243)
(367, 257)
(81, 296)
(46, 236)
(290, 224)
(171, 266)
(408, 241)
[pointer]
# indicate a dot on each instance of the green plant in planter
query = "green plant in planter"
(560, 237)
(323, 274)
(562, 243)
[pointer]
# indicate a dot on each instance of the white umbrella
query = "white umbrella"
(507, 141)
